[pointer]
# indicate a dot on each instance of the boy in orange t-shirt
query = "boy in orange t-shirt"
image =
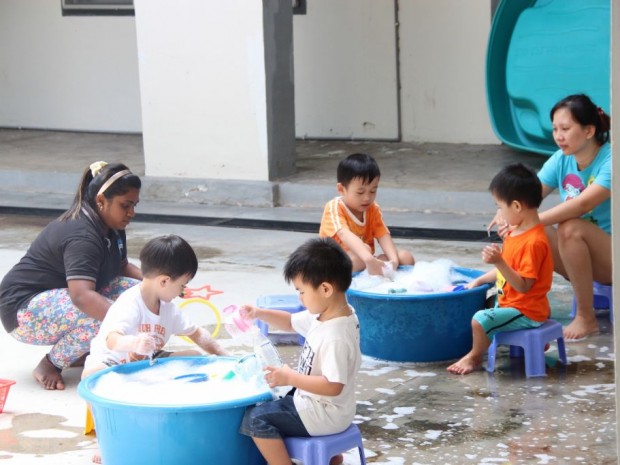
(523, 266)
(354, 220)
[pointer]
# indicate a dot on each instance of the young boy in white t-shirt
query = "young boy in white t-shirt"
(323, 401)
(143, 318)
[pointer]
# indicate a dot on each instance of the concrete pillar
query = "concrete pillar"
(216, 86)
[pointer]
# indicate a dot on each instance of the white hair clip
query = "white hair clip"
(95, 168)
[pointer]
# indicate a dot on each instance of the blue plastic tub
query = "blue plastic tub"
(540, 51)
(287, 302)
(418, 328)
(133, 434)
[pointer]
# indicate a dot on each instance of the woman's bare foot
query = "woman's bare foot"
(47, 375)
(580, 328)
(336, 460)
(80, 361)
(465, 365)
(96, 458)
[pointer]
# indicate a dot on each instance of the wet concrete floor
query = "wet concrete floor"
(409, 414)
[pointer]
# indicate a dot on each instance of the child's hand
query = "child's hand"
(375, 266)
(472, 284)
(203, 339)
(248, 312)
(145, 344)
(388, 270)
(492, 254)
(277, 376)
(217, 349)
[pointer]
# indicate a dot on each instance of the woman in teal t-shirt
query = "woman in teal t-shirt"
(581, 170)
(579, 228)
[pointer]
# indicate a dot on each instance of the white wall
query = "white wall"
(81, 73)
(442, 66)
(204, 87)
(346, 70)
(74, 73)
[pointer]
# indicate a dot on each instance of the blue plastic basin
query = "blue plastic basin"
(131, 434)
(418, 328)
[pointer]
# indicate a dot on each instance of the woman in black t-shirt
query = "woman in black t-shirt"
(62, 287)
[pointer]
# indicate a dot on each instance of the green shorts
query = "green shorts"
(503, 319)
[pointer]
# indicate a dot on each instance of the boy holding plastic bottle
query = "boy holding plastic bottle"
(523, 266)
(354, 219)
(323, 401)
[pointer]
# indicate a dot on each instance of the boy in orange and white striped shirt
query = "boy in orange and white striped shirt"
(355, 220)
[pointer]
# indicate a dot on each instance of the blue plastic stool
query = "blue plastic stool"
(287, 302)
(318, 450)
(531, 343)
(602, 300)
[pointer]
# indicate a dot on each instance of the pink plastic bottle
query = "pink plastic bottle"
(238, 326)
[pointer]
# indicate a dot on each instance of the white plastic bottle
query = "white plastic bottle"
(265, 351)
(268, 355)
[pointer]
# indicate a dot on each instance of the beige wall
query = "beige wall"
(442, 67)
(73, 73)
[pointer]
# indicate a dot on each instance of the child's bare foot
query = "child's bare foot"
(465, 365)
(47, 375)
(96, 458)
(580, 328)
(336, 460)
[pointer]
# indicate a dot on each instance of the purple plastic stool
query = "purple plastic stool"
(318, 450)
(602, 300)
(531, 344)
(287, 302)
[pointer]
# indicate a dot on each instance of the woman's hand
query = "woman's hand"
(503, 228)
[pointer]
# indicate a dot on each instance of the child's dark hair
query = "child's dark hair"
(94, 182)
(318, 261)
(586, 113)
(357, 165)
(517, 182)
(169, 255)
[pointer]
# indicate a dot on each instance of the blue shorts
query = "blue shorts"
(503, 319)
(273, 420)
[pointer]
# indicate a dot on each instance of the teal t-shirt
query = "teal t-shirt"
(561, 172)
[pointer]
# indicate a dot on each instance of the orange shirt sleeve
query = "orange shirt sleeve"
(332, 221)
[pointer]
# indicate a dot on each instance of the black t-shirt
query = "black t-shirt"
(64, 250)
